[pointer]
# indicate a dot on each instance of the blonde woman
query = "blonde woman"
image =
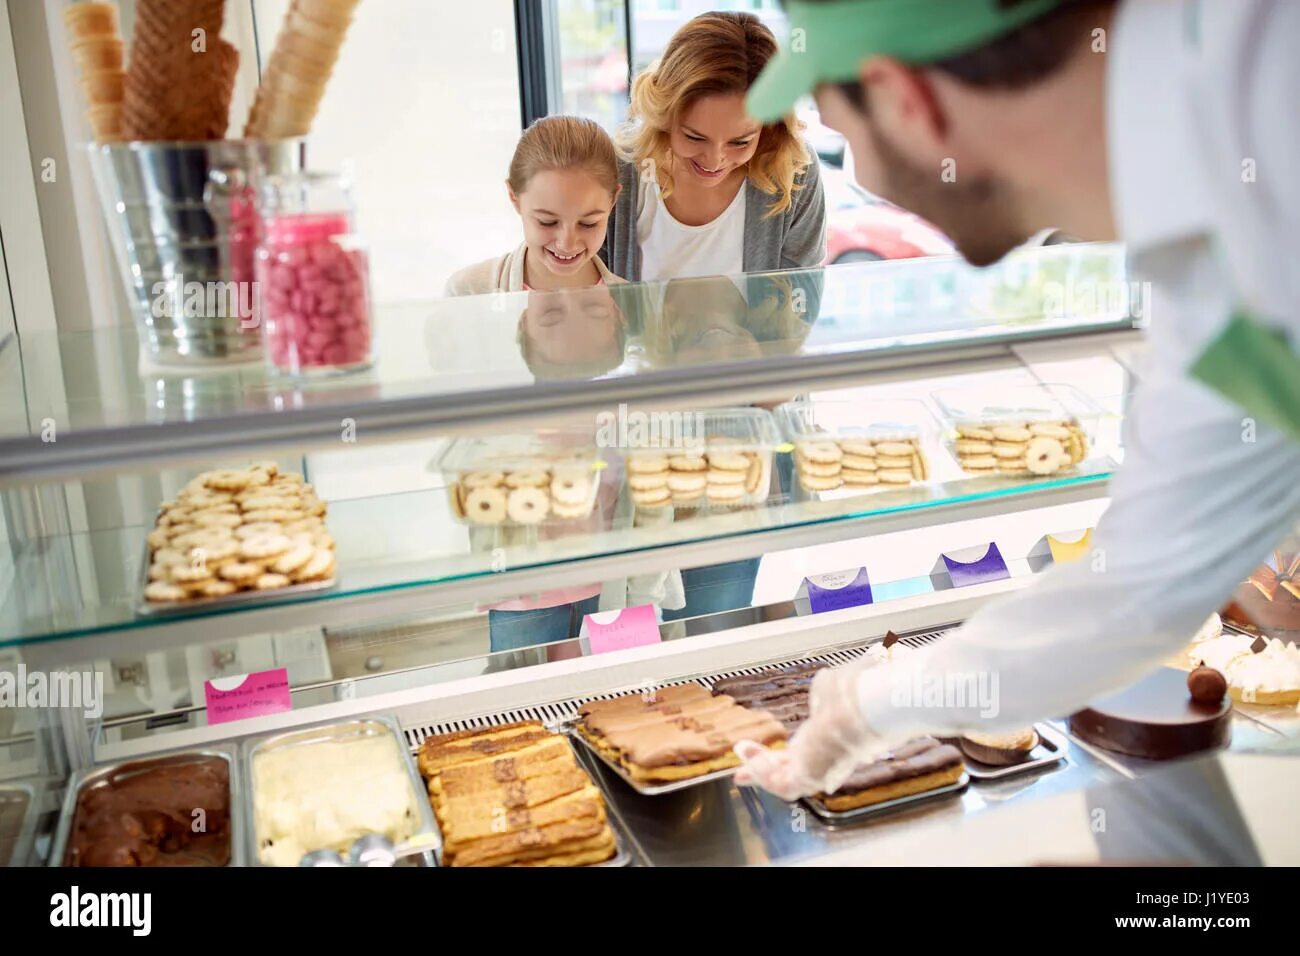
(707, 190)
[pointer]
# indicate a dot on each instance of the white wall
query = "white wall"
(424, 102)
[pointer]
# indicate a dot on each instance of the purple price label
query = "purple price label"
(990, 567)
(833, 592)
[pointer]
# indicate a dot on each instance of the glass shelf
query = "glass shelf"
(88, 585)
(477, 361)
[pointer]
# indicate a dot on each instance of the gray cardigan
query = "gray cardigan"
(793, 239)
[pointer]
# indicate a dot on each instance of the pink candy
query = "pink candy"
(314, 300)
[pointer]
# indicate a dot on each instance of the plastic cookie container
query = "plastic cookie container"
(551, 475)
(1022, 431)
(720, 458)
(858, 445)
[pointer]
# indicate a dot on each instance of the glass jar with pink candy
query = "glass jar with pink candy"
(313, 277)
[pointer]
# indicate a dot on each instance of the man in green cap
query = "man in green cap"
(1169, 125)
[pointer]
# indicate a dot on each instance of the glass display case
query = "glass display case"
(106, 461)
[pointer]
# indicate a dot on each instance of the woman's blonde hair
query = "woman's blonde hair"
(715, 53)
(564, 142)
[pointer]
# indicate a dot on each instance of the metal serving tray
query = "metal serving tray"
(12, 792)
(379, 724)
(649, 790)
(621, 856)
(238, 599)
(84, 779)
(1051, 748)
(840, 817)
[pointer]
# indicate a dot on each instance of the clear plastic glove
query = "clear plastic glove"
(824, 751)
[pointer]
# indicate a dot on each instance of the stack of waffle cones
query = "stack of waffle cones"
(299, 68)
(182, 74)
(97, 50)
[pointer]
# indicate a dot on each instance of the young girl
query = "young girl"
(563, 182)
(708, 190)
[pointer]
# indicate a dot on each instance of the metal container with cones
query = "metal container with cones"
(182, 219)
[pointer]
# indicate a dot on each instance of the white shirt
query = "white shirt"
(1196, 505)
(672, 250)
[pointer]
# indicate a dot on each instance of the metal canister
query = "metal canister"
(182, 219)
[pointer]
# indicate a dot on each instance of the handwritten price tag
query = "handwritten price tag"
(608, 631)
(247, 695)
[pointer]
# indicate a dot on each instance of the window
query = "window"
(423, 105)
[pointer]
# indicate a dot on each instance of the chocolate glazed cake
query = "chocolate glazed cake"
(1156, 718)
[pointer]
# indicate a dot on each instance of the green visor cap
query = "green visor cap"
(828, 41)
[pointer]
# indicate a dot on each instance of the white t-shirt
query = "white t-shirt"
(672, 250)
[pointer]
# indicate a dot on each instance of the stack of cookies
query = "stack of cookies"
(514, 795)
(300, 66)
(716, 474)
(98, 52)
(254, 528)
(526, 494)
(825, 464)
(1019, 448)
(182, 74)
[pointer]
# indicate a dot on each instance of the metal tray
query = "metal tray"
(238, 599)
(621, 856)
(645, 789)
(26, 833)
(839, 817)
(361, 726)
(1051, 749)
(83, 779)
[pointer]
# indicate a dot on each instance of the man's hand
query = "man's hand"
(824, 750)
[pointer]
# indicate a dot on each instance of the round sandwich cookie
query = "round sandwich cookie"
(726, 492)
(720, 477)
(688, 463)
(1016, 433)
(819, 452)
(528, 505)
(486, 505)
(728, 461)
(817, 469)
(482, 479)
(895, 449)
(571, 487)
(859, 462)
(533, 478)
(818, 483)
(647, 464)
(687, 482)
(975, 432)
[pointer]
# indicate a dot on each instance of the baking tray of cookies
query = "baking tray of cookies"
(145, 607)
(640, 786)
(842, 817)
(846, 448)
(1051, 748)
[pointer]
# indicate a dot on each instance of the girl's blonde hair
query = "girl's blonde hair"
(564, 142)
(715, 53)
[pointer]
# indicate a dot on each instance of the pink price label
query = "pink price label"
(247, 695)
(618, 630)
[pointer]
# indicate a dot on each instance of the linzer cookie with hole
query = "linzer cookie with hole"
(674, 733)
(1019, 448)
(514, 795)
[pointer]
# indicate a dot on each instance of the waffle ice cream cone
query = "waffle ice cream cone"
(86, 20)
(299, 69)
(173, 91)
(104, 86)
(99, 53)
(106, 121)
(97, 50)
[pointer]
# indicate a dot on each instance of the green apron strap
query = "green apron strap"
(1256, 367)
